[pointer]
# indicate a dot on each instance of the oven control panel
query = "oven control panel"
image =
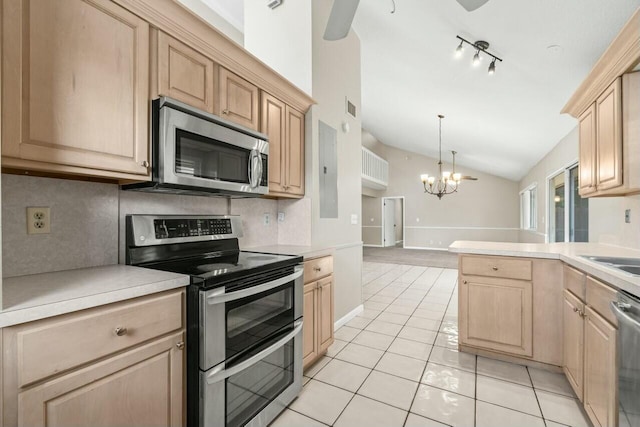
(183, 227)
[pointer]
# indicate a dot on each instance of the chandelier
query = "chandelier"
(447, 181)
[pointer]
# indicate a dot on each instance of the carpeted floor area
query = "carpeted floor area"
(420, 257)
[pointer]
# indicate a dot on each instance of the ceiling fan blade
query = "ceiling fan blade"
(471, 5)
(339, 23)
(469, 178)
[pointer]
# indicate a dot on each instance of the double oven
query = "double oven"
(244, 316)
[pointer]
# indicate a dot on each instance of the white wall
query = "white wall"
(487, 209)
(281, 38)
(606, 214)
(214, 19)
(564, 154)
(336, 75)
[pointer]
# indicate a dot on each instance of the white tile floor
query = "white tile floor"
(397, 364)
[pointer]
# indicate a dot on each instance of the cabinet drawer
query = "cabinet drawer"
(574, 281)
(50, 346)
(599, 296)
(507, 268)
(317, 268)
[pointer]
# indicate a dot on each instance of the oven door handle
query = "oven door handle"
(622, 315)
(231, 296)
(218, 373)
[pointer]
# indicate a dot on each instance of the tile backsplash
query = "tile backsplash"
(84, 225)
(87, 221)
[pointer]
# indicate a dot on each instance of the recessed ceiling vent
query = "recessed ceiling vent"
(274, 3)
(351, 109)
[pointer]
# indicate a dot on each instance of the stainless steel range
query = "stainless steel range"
(244, 316)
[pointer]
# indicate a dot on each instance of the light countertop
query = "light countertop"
(307, 252)
(38, 296)
(571, 253)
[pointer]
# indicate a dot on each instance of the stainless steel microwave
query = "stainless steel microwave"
(194, 152)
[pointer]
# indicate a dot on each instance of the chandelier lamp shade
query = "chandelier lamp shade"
(481, 47)
(446, 182)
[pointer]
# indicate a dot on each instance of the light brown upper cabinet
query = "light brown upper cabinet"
(238, 99)
(181, 73)
(75, 85)
(610, 140)
(587, 137)
(285, 127)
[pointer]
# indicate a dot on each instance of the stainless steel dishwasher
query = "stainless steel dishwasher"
(627, 310)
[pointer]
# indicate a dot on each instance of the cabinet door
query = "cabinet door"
(273, 124)
(587, 138)
(573, 342)
(295, 151)
(600, 370)
(75, 87)
(309, 330)
(609, 137)
(325, 314)
(183, 73)
(496, 314)
(143, 386)
(238, 99)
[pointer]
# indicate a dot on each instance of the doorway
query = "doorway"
(568, 212)
(393, 221)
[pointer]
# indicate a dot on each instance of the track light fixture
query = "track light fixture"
(480, 46)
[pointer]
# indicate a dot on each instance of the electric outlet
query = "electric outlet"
(280, 216)
(266, 219)
(39, 220)
(627, 216)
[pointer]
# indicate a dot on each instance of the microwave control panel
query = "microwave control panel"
(174, 228)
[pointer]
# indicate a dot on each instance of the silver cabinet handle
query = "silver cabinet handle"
(180, 345)
(121, 331)
(145, 164)
(575, 309)
(317, 269)
(465, 282)
(619, 309)
(494, 268)
(217, 298)
(225, 111)
(218, 373)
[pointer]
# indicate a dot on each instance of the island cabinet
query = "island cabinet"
(590, 361)
(284, 126)
(317, 333)
(118, 364)
(75, 88)
(609, 140)
(511, 306)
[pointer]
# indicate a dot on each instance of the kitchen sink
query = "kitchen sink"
(633, 269)
(628, 265)
(615, 260)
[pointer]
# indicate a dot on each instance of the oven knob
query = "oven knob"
(180, 345)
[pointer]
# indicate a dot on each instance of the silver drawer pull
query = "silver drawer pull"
(121, 331)
(317, 269)
(180, 345)
(494, 268)
(575, 309)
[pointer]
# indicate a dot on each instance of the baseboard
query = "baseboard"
(425, 247)
(350, 315)
(373, 246)
(399, 241)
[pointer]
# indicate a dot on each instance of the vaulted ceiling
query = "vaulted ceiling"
(501, 124)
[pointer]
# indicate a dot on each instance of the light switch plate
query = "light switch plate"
(354, 219)
(38, 220)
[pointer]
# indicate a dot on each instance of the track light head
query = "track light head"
(476, 58)
(459, 50)
(492, 67)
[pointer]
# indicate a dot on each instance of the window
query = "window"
(528, 207)
(568, 212)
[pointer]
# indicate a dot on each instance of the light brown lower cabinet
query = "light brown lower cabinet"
(318, 309)
(590, 361)
(118, 364)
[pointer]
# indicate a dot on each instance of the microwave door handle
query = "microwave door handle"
(260, 170)
(232, 296)
(218, 373)
(250, 169)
